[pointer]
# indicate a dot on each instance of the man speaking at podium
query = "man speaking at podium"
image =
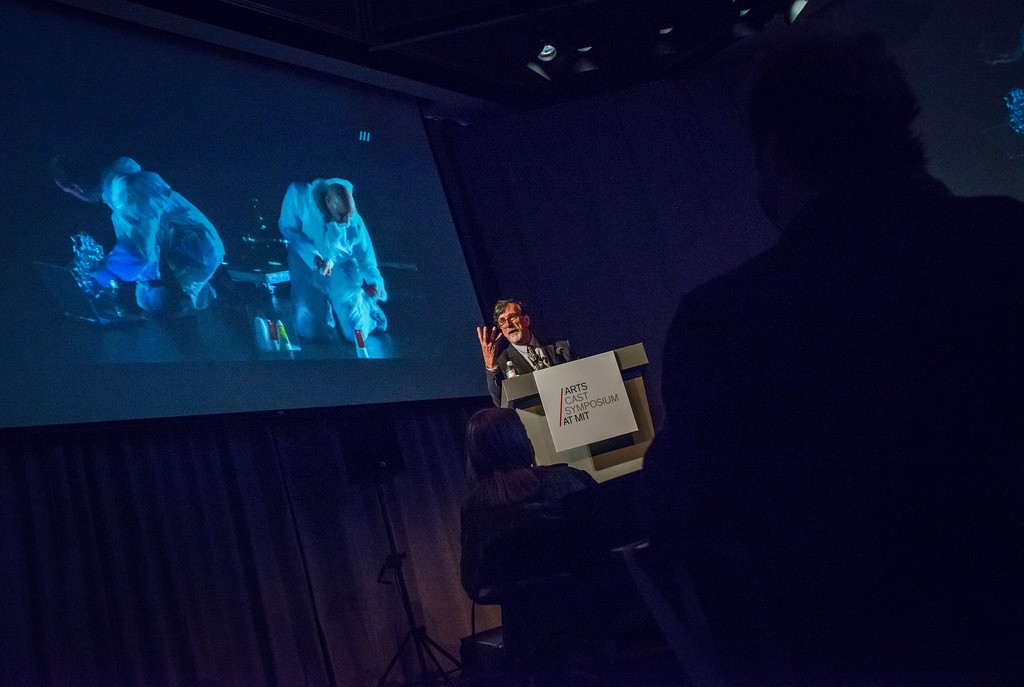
(525, 352)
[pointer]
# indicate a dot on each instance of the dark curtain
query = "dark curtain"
(225, 551)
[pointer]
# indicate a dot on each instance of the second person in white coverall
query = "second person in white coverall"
(335, 280)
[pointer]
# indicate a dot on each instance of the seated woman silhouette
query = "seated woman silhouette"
(511, 492)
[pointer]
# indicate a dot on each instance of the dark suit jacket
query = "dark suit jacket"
(557, 353)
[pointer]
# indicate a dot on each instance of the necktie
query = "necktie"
(536, 360)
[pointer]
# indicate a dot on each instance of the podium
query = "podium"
(604, 459)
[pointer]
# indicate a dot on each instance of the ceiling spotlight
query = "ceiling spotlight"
(539, 70)
(795, 9)
(547, 52)
(663, 45)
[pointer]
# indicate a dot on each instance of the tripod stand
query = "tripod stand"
(417, 634)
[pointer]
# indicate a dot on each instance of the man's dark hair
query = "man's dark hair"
(833, 108)
(496, 441)
(500, 306)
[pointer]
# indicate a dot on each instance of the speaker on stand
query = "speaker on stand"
(371, 451)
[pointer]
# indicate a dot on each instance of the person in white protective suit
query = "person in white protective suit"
(165, 245)
(335, 280)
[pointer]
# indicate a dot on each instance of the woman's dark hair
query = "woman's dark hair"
(496, 441)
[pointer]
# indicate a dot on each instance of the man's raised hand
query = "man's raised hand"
(489, 338)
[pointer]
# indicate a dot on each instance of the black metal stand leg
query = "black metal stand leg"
(417, 634)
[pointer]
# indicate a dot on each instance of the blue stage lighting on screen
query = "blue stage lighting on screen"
(1015, 104)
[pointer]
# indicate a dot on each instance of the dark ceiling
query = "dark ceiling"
(483, 48)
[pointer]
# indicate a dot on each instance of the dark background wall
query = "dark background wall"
(600, 214)
(240, 550)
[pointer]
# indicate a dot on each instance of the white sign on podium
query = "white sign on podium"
(586, 401)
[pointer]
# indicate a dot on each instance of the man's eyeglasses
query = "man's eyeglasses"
(509, 319)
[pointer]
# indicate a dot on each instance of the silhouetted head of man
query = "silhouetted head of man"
(829, 112)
